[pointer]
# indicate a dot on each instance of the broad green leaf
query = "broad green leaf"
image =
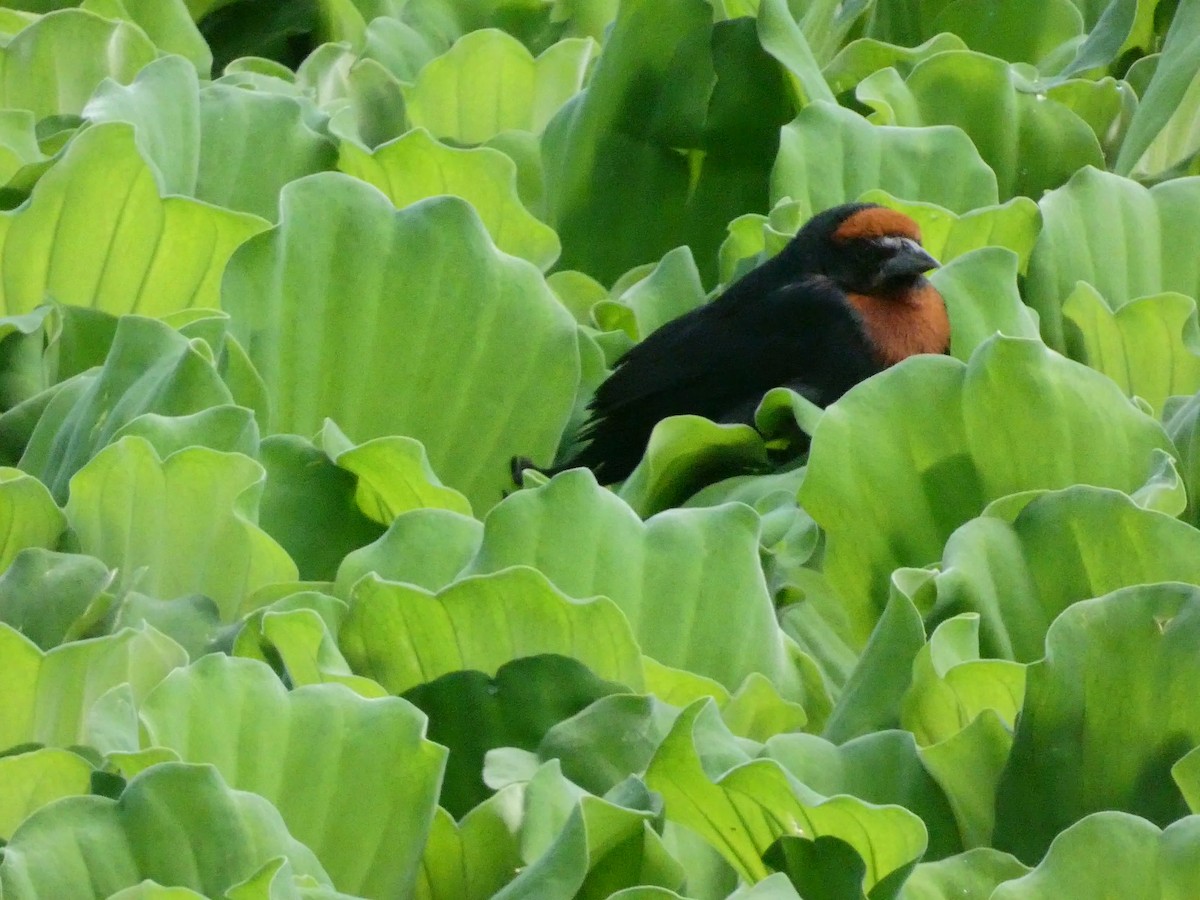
(488, 83)
(18, 142)
(881, 768)
(401, 635)
(308, 506)
(471, 859)
(1113, 854)
(671, 289)
(236, 125)
(1022, 31)
(674, 136)
(980, 291)
(150, 368)
(1181, 417)
(1149, 346)
(1031, 142)
(53, 66)
(370, 781)
(29, 516)
(45, 595)
(166, 22)
(178, 525)
(363, 100)
(96, 233)
(1163, 130)
(969, 876)
(426, 547)
(49, 698)
(743, 810)
(236, 28)
(679, 578)
(160, 828)
(906, 457)
(472, 714)
(1063, 547)
(785, 39)
(830, 155)
(455, 344)
(393, 473)
(28, 781)
(1186, 773)
(864, 56)
(1091, 735)
(416, 166)
(1124, 240)
(601, 845)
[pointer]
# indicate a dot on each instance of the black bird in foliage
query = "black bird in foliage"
(846, 298)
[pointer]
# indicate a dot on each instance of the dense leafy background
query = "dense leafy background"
(284, 286)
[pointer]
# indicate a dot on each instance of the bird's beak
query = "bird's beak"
(911, 259)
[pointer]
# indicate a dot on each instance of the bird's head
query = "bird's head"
(864, 248)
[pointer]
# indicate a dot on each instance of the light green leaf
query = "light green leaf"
(488, 83)
(331, 793)
(969, 876)
(1124, 240)
(1116, 855)
(47, 596)
(679, 578)
(29, 781)
(18, 142)
(161, 827)
(1091, 735)
(142, 253)
(456, 344)
(744, 810)
(471, 859)
(865, 56)
(1150, 346)
(29, 516)
(150, 368)
(49, 698)
(401, 635)
(980, 291)
(906, 457)
(426, 547)
(177, 526)
(830, 155)
(1023, 31)
(53, 66)
(416, 166)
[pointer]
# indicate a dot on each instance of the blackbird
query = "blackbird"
(846, 298)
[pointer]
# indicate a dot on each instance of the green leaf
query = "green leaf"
(424, 547)
(678, 578)
(236, 715)
(416, 166)
(1124, 240)
(52, 698)
(980, 291)
(44, 595)
(1153, 864)
(471, 859)
(142, 253)
(969, 876)
(29, 516)
(1091, 735)
(1169, 104)
(744, 810)
(1150, 346)
(29, 781)
(1031, 142)
(1025, 31)
(830, 155)
(426, 299)
(674, 136)
(488, 83)
(142, 515)
(471, 714)
(308, 506)
(1015, 418)
(53, 66)
(864, 56)
(402, 636)
(166, 22)
(150, 368)
(160, 828)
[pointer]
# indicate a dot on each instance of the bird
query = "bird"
(844, 299)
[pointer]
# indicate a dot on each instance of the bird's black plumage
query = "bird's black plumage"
(789, 322)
